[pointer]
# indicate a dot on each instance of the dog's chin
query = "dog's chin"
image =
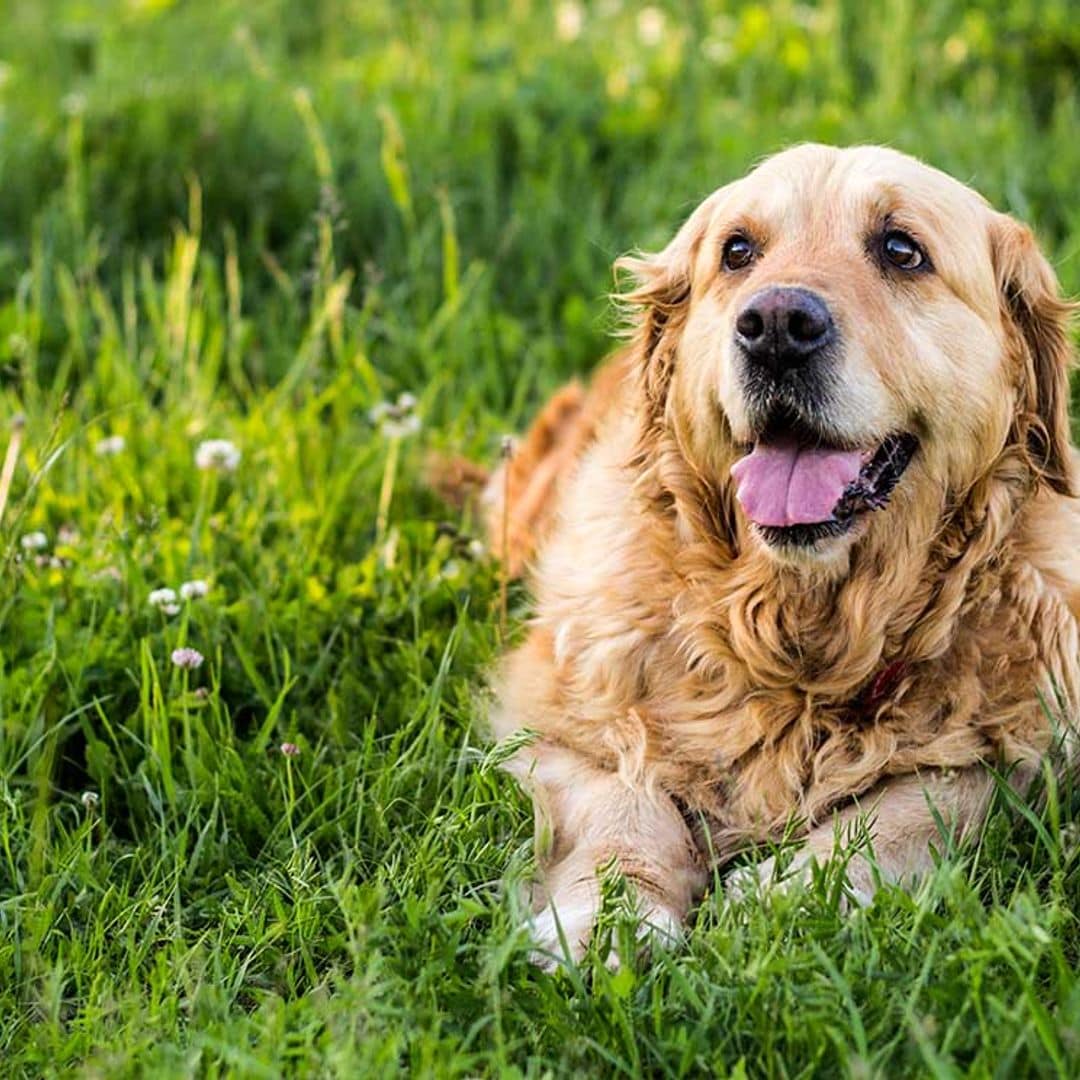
(823, 548)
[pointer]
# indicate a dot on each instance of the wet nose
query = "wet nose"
(782, 328)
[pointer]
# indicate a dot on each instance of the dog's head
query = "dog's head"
(845, 335)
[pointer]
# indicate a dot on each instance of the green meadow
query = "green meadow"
(231, 235)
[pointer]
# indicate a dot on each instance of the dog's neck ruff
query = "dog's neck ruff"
(836, 639)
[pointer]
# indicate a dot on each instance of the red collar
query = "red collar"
(883, 684)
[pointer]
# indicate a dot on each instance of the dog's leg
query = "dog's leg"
(903, 819)
(589, 818)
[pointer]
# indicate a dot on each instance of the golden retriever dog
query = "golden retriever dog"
(806, 552)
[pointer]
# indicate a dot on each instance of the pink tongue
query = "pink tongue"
(785, 484)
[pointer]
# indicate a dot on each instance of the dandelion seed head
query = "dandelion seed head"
(399, 429)
(398, 419)
(220, 454)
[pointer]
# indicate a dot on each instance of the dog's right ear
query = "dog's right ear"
(658, 297)
(1039, 318)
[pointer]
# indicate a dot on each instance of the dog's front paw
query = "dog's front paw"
(772, 877)
(761, 879)
(561, 931)
(658, 924)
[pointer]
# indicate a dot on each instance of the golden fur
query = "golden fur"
(695, 691)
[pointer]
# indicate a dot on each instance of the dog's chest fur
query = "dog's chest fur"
(751, 700)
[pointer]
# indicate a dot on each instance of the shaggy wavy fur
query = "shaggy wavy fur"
(696, 689)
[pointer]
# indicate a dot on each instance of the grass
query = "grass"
(256, 223)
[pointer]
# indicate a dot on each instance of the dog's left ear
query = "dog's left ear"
(1033, 306)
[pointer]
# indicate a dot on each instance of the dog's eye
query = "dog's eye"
(739, 252)
(902, 251)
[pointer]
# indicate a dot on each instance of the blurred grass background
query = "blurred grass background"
(552, 137)
(259, 221)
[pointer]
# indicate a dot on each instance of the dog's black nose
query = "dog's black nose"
(783, 328)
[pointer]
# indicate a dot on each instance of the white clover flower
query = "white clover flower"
(476, 549)
(89, 799)
(73, 104)
(34, 541)
(398, 419)
(650, 25)
(194, 590)
(164, 599)
(399, 429)
(188, 659)
(569, 21)
(68, 534)
(717, 50)
(1070, 837)
(110, 446)
(217, 454)
(290, 749)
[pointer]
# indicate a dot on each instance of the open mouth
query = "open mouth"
(798, 490)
